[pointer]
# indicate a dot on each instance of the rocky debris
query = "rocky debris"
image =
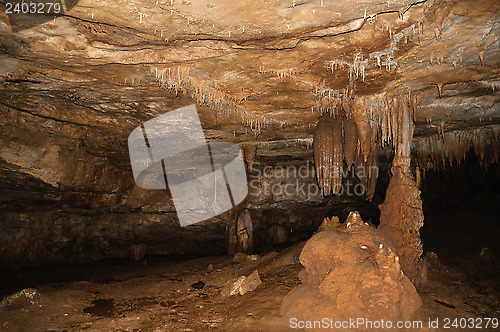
(232, 287)
(251, 283)
(350, 271)
(26, 297)
(241, 285)
(240, 257)
(101, 307)
(198, 285)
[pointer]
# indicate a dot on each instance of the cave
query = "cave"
(282, 165)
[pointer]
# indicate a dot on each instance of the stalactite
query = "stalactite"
(403, 112)
(482, 147)
(440, 88)
(323, 153)
(357, 68)
(374, 113)
(360, 171)
(280, 73)
(451, 147)
(338, 154)
(372, 168)
(493, 85)
(329, 99)
(364, 130)
(180, 79)
(425, 148)
(350, 141)
(328, 155)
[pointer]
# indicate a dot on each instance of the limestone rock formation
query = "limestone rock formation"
(244, 233)
(401, 217)
(350, 272)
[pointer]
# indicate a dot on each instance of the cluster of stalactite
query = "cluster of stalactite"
(385, 58)
(354, 132)
(450, 148)
(332, 100)
(280, 73)
(340, 137)
(180, 79)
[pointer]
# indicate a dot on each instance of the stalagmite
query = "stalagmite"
(244, 233)
(401, 214)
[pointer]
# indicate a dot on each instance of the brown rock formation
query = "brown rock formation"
(351, 272)
(401, 215)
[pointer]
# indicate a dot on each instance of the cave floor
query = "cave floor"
(159, 297)
(155, 295)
